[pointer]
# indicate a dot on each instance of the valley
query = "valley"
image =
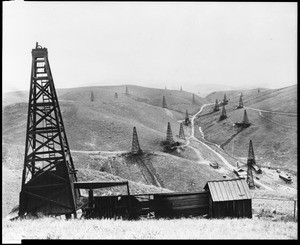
(100, 134)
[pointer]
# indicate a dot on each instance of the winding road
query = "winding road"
(228, 165)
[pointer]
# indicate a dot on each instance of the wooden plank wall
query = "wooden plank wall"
(181, 205)
(162, 205)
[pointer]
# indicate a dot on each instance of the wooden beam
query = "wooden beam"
(96, 185)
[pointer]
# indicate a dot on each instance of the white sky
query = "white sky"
(153, 44)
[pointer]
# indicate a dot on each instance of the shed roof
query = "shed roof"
(228, 190)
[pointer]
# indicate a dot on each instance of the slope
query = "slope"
(273, 133)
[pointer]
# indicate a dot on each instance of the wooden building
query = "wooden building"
(229, 198)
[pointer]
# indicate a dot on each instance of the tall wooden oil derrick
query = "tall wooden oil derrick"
(135, 143)
(223, 113)
(164, 103)
(250, 163)
(181, 132)
(169, 138)
(127, 91)
(225, 100)
(92, 96)
(194, 102)
(187, 119)
(49, 172)
(116, 95)
(246, 119)
(241, 105)
(216, 107)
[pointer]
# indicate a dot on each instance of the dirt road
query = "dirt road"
(225, 162)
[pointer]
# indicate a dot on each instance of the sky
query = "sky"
(152, 44)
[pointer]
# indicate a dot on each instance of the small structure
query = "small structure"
(241, 105)
(116, 95)
(229, 198)
(258, 91)
(214, 164)
(187, 119)
(216, 107)
(223, 114)
(92, 96)
(285, 177)
(245, 123)
(103, 206)
(164, 103)
(180, 88)
(136, 150)
(181, 132)
(127, 91)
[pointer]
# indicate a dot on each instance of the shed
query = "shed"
(229, 198)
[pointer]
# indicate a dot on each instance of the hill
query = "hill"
(273, 134)
(106, 124)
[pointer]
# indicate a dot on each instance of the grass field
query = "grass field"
(193, 228)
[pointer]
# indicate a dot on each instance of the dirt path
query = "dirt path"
(275, 112)
(226, 163)
(277, 123)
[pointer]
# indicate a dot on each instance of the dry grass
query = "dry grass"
(272, 142)
(193, 228)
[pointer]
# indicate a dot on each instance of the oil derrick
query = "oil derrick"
(48, 173)
(164, 103)
(216, 108)
(116, 95)
(181, 132)
(246, 119)
(225, 100)
(92, 96)
(193, 99)
(135, 143)
(245, 123)
(169, 138)
(187, 119)
(241, 105)
(223, 113)
(127, 92)
(250, 163)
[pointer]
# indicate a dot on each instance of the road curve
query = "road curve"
(192, 137)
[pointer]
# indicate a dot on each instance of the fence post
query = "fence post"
(295, 210)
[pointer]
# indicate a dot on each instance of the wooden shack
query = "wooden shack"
(229, 198)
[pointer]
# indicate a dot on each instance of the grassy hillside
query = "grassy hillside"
(280, 100)
(273, 135)
(106, 124)
(175, 99)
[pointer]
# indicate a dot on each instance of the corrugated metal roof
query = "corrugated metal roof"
(227, 190)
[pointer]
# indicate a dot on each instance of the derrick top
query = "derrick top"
(39, 51)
